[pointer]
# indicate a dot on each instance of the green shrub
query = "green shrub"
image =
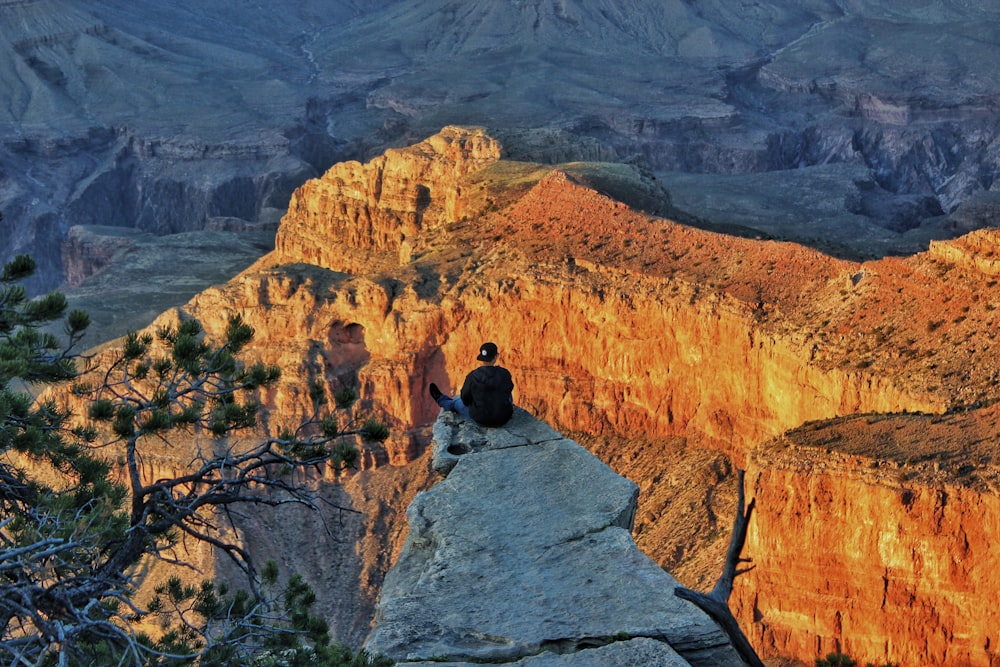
(835, 660)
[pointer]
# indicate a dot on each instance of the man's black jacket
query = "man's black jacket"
(487, 394)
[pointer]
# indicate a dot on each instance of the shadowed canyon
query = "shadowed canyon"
(705, 238)
(860, 128)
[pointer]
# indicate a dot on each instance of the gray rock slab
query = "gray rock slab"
(524, 549)
(455, 437)
(641, 652)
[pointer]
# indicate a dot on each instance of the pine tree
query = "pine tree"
(77, 514)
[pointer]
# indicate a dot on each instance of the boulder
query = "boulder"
(523, 555)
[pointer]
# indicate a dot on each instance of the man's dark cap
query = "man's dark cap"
(487, 352)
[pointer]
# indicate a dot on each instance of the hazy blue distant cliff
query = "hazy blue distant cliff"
(876, 124)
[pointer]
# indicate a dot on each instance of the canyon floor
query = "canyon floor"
(832, 124)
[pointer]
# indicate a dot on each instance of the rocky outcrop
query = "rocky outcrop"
(978, 251)
(87, 251)
(876, 536)
(623, 322)
(381, 206)
(523, 555)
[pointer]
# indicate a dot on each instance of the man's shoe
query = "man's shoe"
(435, 392)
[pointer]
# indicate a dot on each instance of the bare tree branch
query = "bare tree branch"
(716, 603)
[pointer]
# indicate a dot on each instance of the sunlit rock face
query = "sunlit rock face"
(875, 536)
(978, 251)
(626, 327)
(380, 206)
(618, 320)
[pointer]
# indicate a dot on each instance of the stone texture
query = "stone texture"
(454, 438)
(380, 207)
(523, 549)
(640, 652)
(979, 251)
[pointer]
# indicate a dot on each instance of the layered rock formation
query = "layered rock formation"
(805, 335)
(522, 555)
(379, 207)
(635, 332)
(978, 251)
(875, 536)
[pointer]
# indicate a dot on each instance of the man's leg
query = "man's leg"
(449, 403)
(455, 405)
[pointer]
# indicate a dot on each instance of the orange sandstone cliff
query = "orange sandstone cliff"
(876, 536)
(668, 349)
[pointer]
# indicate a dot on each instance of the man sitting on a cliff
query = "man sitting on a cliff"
(486, 394)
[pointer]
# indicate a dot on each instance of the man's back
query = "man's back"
(487, 393)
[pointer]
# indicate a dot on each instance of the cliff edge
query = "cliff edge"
(523, 555)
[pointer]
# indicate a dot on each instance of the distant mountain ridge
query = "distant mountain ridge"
(160, 116)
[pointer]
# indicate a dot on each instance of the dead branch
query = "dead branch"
(716, 603)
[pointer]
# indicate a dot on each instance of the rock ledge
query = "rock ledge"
(523, 555)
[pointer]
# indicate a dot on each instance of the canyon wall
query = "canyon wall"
(876, 536)
(702, 340)
(584, 357)
(624, 326)
(381, 205)
(978, 251)
(876, 571)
